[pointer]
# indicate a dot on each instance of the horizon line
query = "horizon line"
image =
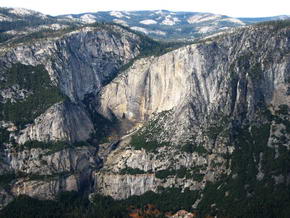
(185, 11)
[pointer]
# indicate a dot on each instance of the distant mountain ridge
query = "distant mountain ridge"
(170, 25)
(250, 20)
(157, 24)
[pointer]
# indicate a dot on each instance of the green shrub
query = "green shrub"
(6, 179)
(163, 174)
(44, 34)
(140, 141)
(52, 146)
(283, 109)
(132, 171)
(4, 37)
(256, 72)
(46, 177)
(188, 148)
(4, 136)
(200, 149)
(68, 205)
(276, 25)
(170, 199)
(148, 137)
(179, 173)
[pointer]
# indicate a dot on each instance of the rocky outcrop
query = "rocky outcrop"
(44, 173)
(62, 122)
(124, 186)
(45, 188)
(55, 160)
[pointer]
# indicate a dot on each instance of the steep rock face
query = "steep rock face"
(62, 122)
(199, 101)
(45, 189)
(150, 85)
(124, 186)
(81, 61)
(161, 83)
(203, 75)
(49, 162)
(44, 173)
(134, 172)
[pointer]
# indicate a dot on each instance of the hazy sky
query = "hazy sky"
(240, 8)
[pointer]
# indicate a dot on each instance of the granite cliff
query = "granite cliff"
(193, 104)
(45, 123)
